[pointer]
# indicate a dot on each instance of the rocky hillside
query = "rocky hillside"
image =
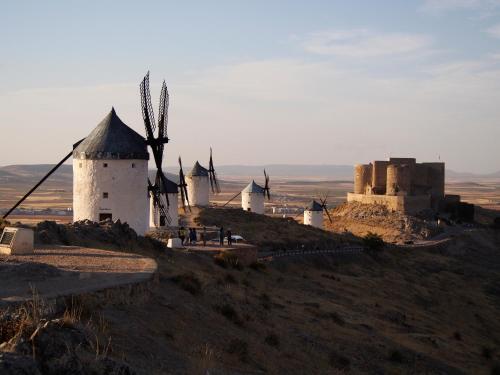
(360, 219)
(270, 233)
(419, 311)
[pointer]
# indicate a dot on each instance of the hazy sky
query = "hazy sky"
(310, 82)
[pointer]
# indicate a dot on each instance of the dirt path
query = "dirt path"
(63, 270)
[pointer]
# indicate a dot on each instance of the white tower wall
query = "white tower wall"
(198, 190)
(253, 202)
(173, 211)
(125, 181)
(313, 218)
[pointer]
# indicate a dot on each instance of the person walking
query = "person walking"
(195, 236)
(190, 236)
(203, 236)
(229, 237)
(221, 236)
(182, 235)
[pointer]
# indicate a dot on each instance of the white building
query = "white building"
(110, 175)
(313, 215)
(252, 198)
(172, 191)
(198, 186)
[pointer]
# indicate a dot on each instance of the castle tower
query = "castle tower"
(362, 178)
(313, 215)
(252, 198)
(198, 186)
(399, 179)
(172, 191)
(110, 175)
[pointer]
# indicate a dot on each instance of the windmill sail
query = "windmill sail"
(325, 208)
(214, 183)
(41, 181)
(266, 186)
(183, 188)
(163, 115)
(157, 144)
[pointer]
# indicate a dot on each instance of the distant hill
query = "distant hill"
(25, 174)
(331, 172)
(471, 176)
(28, 174)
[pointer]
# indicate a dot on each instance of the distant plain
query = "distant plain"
(289, 193)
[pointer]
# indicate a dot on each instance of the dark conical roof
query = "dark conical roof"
(198, 170)
(252, 187)
(112, 139)
(170, 188)
(314, 206)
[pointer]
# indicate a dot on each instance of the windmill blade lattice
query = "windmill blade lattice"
(267, 188)
(183, 188)
(214, 183)
(325, 208)
(157, 144)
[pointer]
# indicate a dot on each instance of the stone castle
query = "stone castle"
(400, 184)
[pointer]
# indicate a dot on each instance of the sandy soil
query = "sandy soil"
(62, 270)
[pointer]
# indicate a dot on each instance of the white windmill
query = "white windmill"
(253, 196)
(313, 213)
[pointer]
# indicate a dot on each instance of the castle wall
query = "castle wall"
(399, 179)
(421, 180)
(125, 183)
(379, 176)
(436, 177)
(399, 161)
(406, 204)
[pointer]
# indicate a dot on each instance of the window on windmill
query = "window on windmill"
(133, 165)
(105, 195)
(80, 165)
(105, 165)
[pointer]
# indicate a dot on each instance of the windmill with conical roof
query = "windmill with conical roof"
(110, 169)
(110, 174)
(199, 182)
(313, 213)
(253, 196)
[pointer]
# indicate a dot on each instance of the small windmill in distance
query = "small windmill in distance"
(253, 196)
(313, 213)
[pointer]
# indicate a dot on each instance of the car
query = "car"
(237, 238)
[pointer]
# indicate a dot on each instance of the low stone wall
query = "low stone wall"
(406, 204)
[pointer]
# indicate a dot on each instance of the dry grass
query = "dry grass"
(268, 232)
(393, 314)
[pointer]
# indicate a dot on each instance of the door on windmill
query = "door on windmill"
(163, 220)
(105, 216)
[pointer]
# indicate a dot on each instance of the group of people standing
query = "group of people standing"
(189, 236)
(229, 236)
